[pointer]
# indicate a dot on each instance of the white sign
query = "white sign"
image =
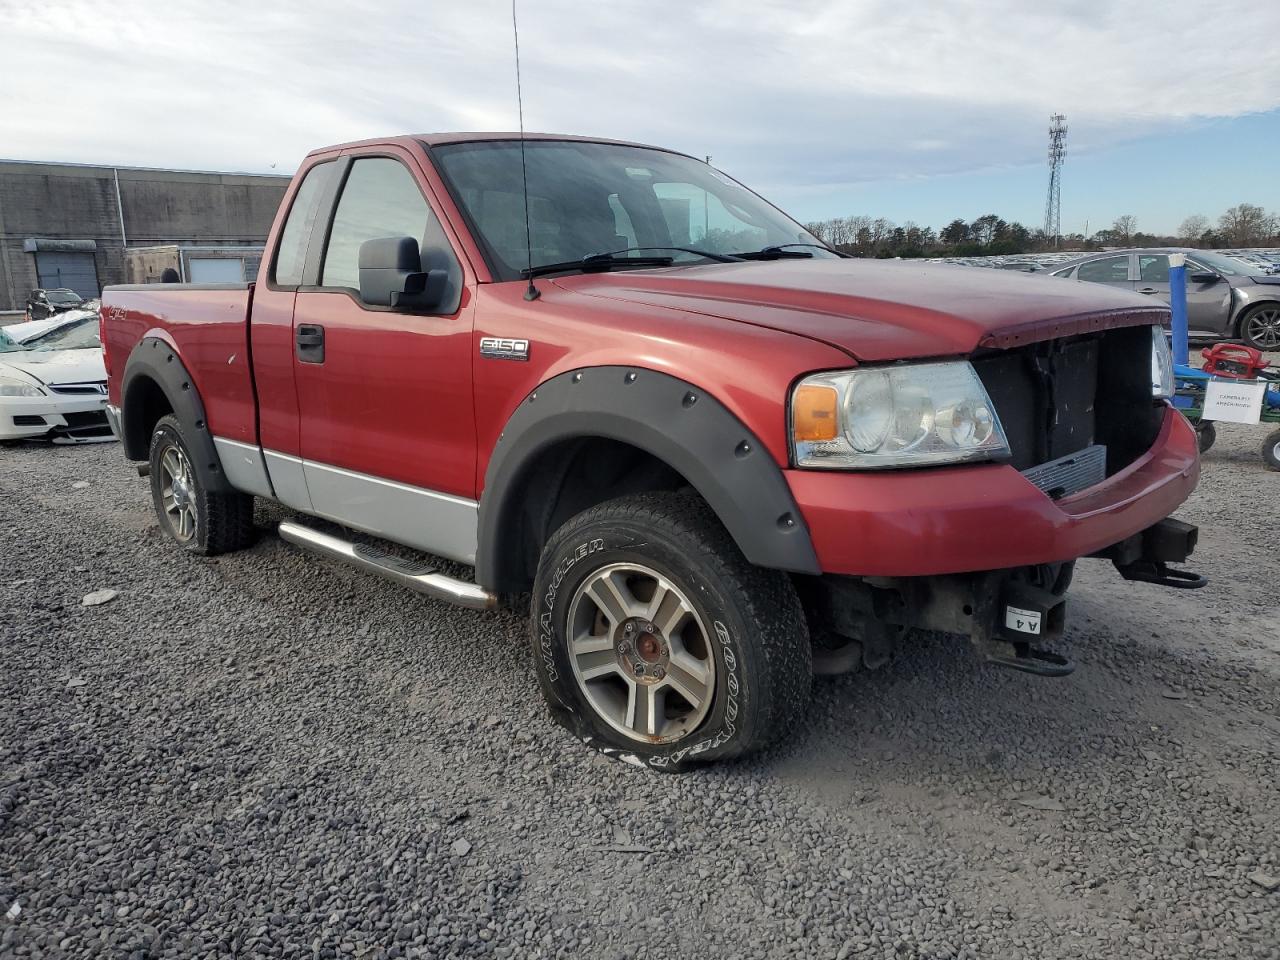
(1024, 621)
(1235, 401)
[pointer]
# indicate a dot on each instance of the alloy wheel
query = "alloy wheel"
(178, 493)
(1263, 328)
(641, 654)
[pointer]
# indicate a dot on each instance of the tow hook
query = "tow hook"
(1029, 659)
(1027, 613)
(1146, 556)
(1155, 571)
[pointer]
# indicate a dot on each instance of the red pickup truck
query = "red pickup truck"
(718, 454)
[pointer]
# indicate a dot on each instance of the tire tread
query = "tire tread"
(228, 515)
(772, 604)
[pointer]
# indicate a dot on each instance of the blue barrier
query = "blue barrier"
(1178, 303)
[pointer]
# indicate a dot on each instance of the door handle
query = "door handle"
(309, 340)
(1148, 290)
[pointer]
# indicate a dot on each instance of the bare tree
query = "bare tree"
(881, 231)
(1246, 225)
(838, 234)
(1124, 228)
(1192, 229)
(820, 229)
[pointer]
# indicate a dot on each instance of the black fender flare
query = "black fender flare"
(679, 423)
(154, 359)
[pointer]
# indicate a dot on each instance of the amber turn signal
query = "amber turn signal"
(813, 413)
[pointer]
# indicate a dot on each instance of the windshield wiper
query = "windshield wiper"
(597, 263)
(779, 251)
(705, 254)
(601, 262)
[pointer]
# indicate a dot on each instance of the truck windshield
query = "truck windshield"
(592, 198)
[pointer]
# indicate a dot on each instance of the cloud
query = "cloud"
(804, 95)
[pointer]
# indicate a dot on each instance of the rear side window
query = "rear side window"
(1106, 270)
(1153, 268)
(292, 251)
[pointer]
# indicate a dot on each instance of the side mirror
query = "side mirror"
(1203, 277)
(391, 275)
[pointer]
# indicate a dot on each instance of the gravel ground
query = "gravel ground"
(266, 755)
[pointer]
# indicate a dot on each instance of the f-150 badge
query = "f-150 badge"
(504, 348)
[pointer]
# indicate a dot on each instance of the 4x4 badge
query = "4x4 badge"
(504, 348)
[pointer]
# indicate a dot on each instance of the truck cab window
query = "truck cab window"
(381, 199)
(297, 229)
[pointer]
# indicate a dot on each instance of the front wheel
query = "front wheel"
(1260, 327)
(656, 642)
(197, 518)
(1206, 435)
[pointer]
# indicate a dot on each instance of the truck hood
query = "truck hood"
(878, 310)
(56, 366)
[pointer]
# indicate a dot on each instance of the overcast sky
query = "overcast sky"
(924, 110)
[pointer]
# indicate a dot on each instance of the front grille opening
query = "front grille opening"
(28, 420)
(95, 388)
(91, 418)
(1060, 397)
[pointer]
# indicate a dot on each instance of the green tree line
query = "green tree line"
(1244, 225)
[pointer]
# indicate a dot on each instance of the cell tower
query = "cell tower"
(1057, 150)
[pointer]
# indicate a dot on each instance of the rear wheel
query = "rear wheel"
(656, 642)
(1271, 450)
(196, 518)
(1260, 327)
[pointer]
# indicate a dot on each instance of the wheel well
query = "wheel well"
(143, 406)
(565, 479)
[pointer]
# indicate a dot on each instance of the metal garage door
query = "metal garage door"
(75, 271)
(215, 270)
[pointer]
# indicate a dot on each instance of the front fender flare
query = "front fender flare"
(677, 422)
(158, 361)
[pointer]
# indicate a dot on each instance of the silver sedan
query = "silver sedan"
(1227, 298)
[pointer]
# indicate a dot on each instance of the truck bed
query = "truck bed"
(208, 323)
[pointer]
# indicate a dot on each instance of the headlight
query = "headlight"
(907, 416)
(18, 388)
(1161, 365)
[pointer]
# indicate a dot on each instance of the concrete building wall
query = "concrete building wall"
(48, 201)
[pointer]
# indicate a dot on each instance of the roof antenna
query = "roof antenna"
(531, 292)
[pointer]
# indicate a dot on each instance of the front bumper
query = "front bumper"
(962, 519)
(62, 419)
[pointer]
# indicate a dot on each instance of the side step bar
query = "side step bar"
(418, 578)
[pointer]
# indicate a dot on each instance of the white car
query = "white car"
(53, 382)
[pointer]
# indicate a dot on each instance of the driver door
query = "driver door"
(387, 428)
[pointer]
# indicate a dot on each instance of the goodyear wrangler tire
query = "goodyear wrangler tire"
(656, 642)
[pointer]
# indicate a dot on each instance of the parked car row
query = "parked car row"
(53, 382)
